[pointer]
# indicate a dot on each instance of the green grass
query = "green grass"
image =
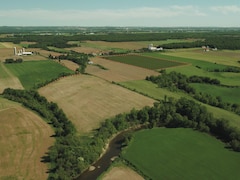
(231, 95)
(150, 89)
(181, 154)
(144, 61)
(31, 73)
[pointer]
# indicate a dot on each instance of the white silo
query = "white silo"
(15, 51)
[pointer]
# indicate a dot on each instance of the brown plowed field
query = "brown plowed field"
(88, 100)
(118, 72)
(24, 140)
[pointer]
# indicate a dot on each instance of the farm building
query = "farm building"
(153, 48)
(21, 52)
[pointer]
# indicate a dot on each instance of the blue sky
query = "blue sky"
(157, 13)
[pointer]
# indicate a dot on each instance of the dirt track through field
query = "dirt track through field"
(88, 100)
(24, 140)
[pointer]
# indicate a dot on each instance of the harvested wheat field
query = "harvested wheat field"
(88, 100)
(69, 64)
(118, 72)
(8, 80)
(121, 172)
(24, 140)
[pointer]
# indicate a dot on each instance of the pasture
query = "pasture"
(118, 72)
(150, 89)
(230, 95)
(145, 61)
(24, 140)
(88, 100)
(31, 73)
(180, 153)
(226, 57)
(7, 79)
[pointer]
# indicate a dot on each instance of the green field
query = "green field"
(231, 95)
(31, 73)
(163, 153)
(150, 89)
(145, 62)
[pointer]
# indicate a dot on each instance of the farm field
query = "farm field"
(118, 72)
(24, 140)
(121, 172)
(88, 100)
(31, 73)
(151, 89)
(125, 46)
(230, 95)
(7, 79)
(145, 61)
(226, 78)
(226, 57)
(180, 153)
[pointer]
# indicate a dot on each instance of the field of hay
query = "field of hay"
(121, 172)
(7, 79)
(88, 100)
(118, 72)
(24, 140)
(227, 57)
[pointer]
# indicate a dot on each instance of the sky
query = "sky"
(125, 13)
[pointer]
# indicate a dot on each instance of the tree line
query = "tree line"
(174, 81)
(72, 154)
(221, 40)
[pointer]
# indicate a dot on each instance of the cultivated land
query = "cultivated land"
(24, 140)
(227, 57)
(145, 61)
(7, 79)
(180, 153)
(88, 100)
(118, 72)
(31, 73)
(230, 95)
(121, 172)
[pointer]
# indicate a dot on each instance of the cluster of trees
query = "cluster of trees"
(71, 155)
(10, 60)
(221, 40)
(79, 58)
(176, 81)
(228, 69)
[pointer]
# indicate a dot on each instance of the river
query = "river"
(114, 149)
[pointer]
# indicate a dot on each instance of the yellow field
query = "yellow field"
(88, 100)
(24, 140)
(118, 72)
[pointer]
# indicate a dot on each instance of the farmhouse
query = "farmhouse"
(153, 48)
(21, 52)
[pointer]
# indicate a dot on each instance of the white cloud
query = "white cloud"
(105, 15)
(226, 9)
